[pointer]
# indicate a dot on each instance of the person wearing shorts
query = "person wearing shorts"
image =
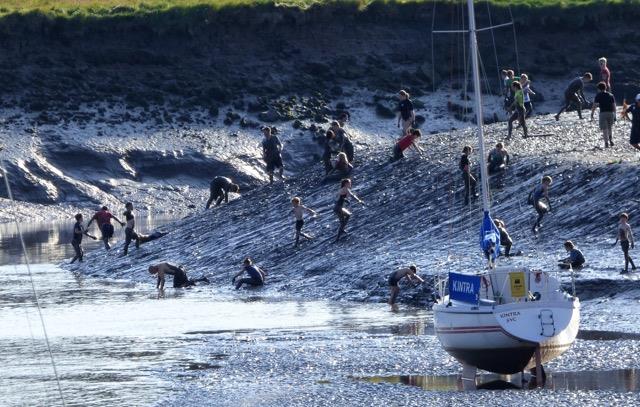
(607, 104)
(103, 219)
(394, 278)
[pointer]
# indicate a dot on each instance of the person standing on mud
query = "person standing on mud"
(219, 189)
(575, 260)
(129, 230)
(540, 193)
(298, 213)
(342, 139)
(406, 114)
(498, 160)
(180, 279)
(409, 140)
(574, 94)
(467, 176)
(634, 109)
(255, 273)
(607, 104)
(394, 278)
(605, 73)
(103, 219)
(339, 208)
(625, 236)
(76, 241)
(527, 92)
(518, 109)
(272, 153)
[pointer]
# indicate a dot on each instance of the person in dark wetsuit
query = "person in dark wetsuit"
(625, 236)
(576, 258)
(298, 213)
(634, 109)
(406, 114)
(467, 176)
(394, 278)
(255, 273)
(76, 241)
(219, 189)
(342, 139)
(607, 104)
(129, 230)
(497, 160)
(574, 94)
(148, 238)
(103, 219)
(272, 153)
(505, 239)
(339, 208)
(180, 279)
(540, 193)
(409, 140)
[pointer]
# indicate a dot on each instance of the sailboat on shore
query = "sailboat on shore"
(502, 319)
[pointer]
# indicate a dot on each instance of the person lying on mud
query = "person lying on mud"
(394, 278)
(537, 197)
(607, 117)
(76, 241)
(467, 177)
(406, 114)
(498, 160)
(625, 236)
(576, 258)
(129, 230)
(180, 279)
(298, 213)
(341, 169)
(219, 189)
(148, 238)
(409, 140)
(574, 94)
(103, 219)
(339, 208)
(342, 139)
(505, 239)
(272, 153)
(255, 273)
(634, 109)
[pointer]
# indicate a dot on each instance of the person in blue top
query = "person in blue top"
(635, 122)
(255, 273)
(272, 153)
(537, 198)
(76, 241)
(576, 258)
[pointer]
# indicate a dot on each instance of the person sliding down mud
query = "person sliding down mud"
(409, 140)
(76, 241)
(341, 169)
(339, 209)
(219, 189)
(148, 238)
(103, 219)
(255, 273)
(518, 109)
(180, 279)
(574, 94)
(576, 258)
(394, 278)
(540, 193)
(625, 236)
(298, 213)
(129, 230)
(272, 153)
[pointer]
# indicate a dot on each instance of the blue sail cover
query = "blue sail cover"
(489, 237)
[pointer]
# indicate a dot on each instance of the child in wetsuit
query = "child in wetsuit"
(298, 212)
(394, 278)
(467, 177)
(255, 273)
(576, 258)
(76, 241)
(625, 236)
(537, 195)
(339, 209)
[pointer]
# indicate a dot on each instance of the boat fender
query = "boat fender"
(536, 296)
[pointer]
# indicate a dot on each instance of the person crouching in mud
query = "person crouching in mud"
(219, 189)
(505, 239)
(180, 279)
(409, 140)
(255, 273)
(394, 278)
(576, 258)
(540, 193)
(339, 209)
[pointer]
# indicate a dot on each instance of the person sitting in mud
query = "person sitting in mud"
(219, 189)
(394, 278)
(574, 94)
(103, 219)
(634, 109)
(341, 169)
(272, 153)
(409, 140)
(339, 208)
(148, 238)
(344, 119)
(255, 273)
(298, 213)
(537, 198)
(576, 258)
(342, 139)
(518, 109)
(76, 241)
(607, 117)
(467, 176)
(129, 230)
(406, 114)
(180, 279)
(505, 239)
(625, 236)
(330, 148)
(498, 160)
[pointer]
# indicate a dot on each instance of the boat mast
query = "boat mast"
(484, 178)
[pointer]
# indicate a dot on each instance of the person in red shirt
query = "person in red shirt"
(605, 73)
(411, 139)
(103, 219)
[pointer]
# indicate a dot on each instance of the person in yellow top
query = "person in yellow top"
(519, 112)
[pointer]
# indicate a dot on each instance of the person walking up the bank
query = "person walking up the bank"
(537, 198)
(574, 94)
(625, 236)
(103, 219)
(518, 109)
(129, 230)
(409, 140)
(76, 241)
(272, 153)
(298, 213)
(607, 104)
(406, 114)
